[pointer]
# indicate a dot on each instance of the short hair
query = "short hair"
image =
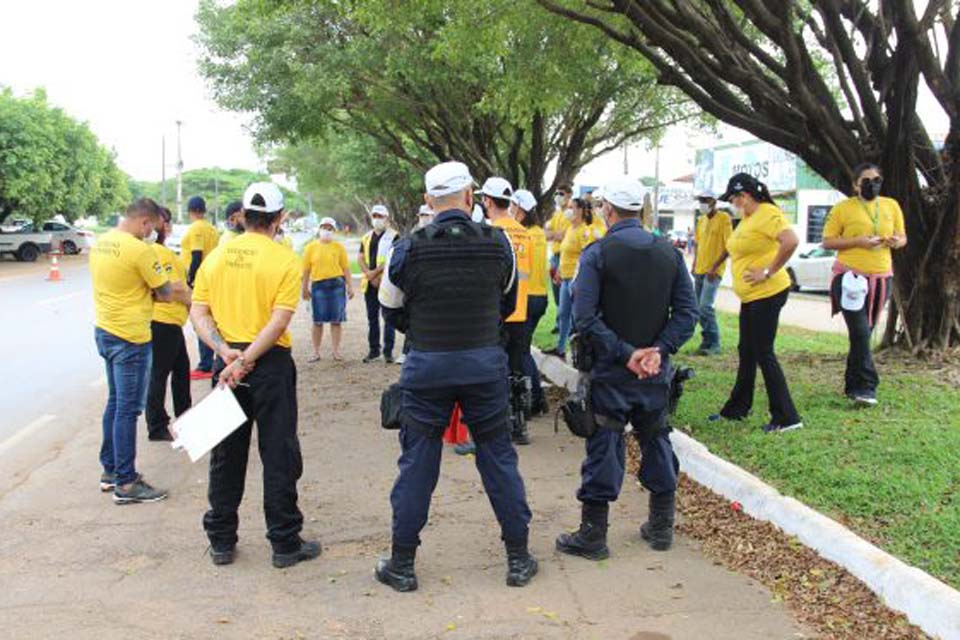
(142, 207)
(502, 203)
(863, 167)
(259, 219)
(166, 215)
(564, 187)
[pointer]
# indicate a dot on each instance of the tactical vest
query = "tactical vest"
(453, 280)
(637, 283)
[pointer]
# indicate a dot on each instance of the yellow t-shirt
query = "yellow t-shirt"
(558, 223)
(200, 236)
(125, 271)
(170, 312)
(325, 260)
(539, 270)
(226, 237)
(522, 249)
(244, 281)
(753, 244)
(711, 236)
(575, 240)
(853, 218)
(285, 241)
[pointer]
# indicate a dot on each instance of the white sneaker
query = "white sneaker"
(400, 359)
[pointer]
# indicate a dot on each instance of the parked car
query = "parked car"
(25, 245)
(69, 239)
(811, 267)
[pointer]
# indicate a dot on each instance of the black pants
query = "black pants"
(861, 378)
(517, 343)
(374, 312)
(170, 360)
(758, 332)
(271, 402)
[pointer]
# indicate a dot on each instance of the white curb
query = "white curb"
(927, 602)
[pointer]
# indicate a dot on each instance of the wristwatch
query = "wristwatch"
(766, 273)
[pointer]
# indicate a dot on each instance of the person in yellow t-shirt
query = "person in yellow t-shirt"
(327, 283)
(199, 240)
(864, 229)
(555, 228)
(496, 194)
(713, 230)
(127, 278)
(170, 358)
(581, 234)
(523, 209)
(234, 222)
(759, 248)
(245, 296)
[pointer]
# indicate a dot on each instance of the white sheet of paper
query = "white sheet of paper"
(207, 424)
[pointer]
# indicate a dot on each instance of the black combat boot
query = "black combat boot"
(658, 530)
(590, 541)
(521, 566)
(397, 570)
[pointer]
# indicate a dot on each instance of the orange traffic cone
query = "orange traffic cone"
(54, 275)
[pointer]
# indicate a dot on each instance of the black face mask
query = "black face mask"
(870, 189)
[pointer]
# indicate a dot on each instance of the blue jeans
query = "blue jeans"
(128, 374)
(554, 265)
(206, 356)
(706, 292)
(536, 307)
(565, 314)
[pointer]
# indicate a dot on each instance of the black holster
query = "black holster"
(577, 411)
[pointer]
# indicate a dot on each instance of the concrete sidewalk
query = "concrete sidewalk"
(75, 566)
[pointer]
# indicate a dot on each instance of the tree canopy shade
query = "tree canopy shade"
(836, 82)
(50, 163)
(505, 87)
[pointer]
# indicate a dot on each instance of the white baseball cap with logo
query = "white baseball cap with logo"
(497, 187)
(328, 222)
(854, 291)
(625, 194)
(524, 199)
(380, 210)
(265, 197)
(447, 178)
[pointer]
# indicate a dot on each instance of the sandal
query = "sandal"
(314, 358)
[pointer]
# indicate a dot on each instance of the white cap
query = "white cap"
(268, 192)
(625, 194)
(854, 291)
(328, 221)
(380, 210)
(707, 193)
(447, 178)
(524, 199)
(497, 187)
(425, 211)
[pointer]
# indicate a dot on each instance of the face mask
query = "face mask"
(704, 207)
(151, 238)
(558, 200)
(870, 188)
(423, 221)
(379, 224)
(568, 214)
(325, 234)
(477, 214)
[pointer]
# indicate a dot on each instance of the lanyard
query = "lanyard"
(875, 218)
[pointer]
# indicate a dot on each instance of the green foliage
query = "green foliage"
(208, 183)
(50, 163)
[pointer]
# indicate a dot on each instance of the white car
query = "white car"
(811, 267)
(68, 238)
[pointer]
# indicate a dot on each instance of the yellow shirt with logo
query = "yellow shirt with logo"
(200, 236)
(539, 269)
(854, 218)
(711, 237)
(244, 281)
(170, 312)
(557, 223)
(125, 271)
(575, 240)
(325, 260)
(753, 245)
(522, 250)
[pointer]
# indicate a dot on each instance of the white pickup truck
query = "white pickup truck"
(23, 244)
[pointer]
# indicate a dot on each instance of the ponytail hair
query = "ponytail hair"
(761, 193)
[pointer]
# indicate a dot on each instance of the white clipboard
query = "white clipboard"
(208, 423)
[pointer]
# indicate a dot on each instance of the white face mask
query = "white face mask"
(379, 224)
(150, 239)
(423, 221)
(325, 234)
(705, 207)
(568, 214)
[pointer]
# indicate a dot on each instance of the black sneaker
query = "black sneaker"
(781, 428)
(223, 556)
(138, 492)
(388, 358)
(371, 357)
(107, 482)
(161, 436)
(555, 331)
(307, 551)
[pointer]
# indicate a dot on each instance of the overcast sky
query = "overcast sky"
(128, 67)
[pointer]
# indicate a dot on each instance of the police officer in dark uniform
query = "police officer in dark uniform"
(634, 307)
(449, 286)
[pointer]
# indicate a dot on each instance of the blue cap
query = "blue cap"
(196, 203)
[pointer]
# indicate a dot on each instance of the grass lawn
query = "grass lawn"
(891, 473)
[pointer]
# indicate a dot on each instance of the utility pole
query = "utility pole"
(163, 170)
(656, 190)
(179, 175)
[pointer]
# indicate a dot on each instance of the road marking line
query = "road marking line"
(69, 296)
(25, 432)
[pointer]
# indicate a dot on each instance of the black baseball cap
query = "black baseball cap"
(740, 183)
(196, 203)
